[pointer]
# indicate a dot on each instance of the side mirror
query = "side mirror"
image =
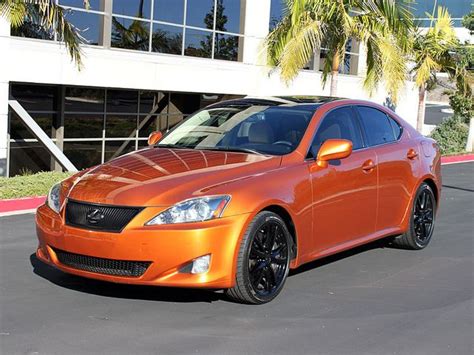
(154, 137)
(333, 149)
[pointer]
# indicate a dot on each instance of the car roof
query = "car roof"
(287, 101)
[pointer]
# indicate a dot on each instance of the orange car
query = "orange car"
(243, 191)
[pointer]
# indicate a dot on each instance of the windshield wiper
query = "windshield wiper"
(232, 149)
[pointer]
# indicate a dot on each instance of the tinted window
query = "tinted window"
(397, 130)
(376, 125)
(338, 124)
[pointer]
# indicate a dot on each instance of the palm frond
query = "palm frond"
(51, 16)
(299, 49)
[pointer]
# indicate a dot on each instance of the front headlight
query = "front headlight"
(192, 210)
(53, 198)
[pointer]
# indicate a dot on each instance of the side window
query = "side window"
(338, 124)
(377, 126)
(397, 130)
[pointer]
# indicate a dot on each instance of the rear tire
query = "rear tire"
(263, 262)
(422, 221)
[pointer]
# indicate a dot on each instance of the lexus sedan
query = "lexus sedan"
(243, 191)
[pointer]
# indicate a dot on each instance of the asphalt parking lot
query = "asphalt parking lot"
(371, 300)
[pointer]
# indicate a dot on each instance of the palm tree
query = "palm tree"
(50, 17)
(431, 54)
(384, 27)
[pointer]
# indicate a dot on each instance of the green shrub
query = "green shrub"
(462, 106)
(29, 185)
(451, 135)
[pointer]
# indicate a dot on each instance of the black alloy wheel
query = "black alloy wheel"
(423, 216)
(264, 260)
(422, 220)
(268, 258)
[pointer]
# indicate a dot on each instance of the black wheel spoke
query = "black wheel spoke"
(256, 254)
(270, 277)
(278, 261)
(270, 237)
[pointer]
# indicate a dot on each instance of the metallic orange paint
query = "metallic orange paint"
(332, 208)
(154, 137)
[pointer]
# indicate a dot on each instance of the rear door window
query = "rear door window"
(377, 126)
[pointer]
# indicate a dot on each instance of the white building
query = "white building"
(133, 83)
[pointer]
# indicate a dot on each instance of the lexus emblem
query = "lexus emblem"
(94, 216)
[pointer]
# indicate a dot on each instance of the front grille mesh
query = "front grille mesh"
(102, 266)
(113, 218)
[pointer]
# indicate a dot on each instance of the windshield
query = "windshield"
(274, 130)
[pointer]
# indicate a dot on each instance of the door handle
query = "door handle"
(412, 154)
(368, 166)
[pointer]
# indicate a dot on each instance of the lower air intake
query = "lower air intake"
(102, 266)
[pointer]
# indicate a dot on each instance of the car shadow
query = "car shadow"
(170, 294)
(381, 243)
(114, 290)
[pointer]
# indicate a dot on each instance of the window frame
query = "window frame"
(364, 133)
(358, 123)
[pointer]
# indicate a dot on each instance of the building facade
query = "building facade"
(147, 64)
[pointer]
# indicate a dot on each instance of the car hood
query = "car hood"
(162, 177)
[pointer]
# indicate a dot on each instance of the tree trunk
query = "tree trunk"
(334, 74)
(420, 120)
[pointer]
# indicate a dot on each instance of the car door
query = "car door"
(345, 192)
(397, 161)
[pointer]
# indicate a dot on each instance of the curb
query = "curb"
(16, 205)
(452, 159)
(30, 204)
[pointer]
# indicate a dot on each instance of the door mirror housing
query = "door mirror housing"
(154, 137)
(333, 149)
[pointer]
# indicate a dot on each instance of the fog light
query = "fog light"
(201, 264)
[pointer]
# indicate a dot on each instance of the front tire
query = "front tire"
(263, 262)
(422, 221)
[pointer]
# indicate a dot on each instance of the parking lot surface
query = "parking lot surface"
(371, 300)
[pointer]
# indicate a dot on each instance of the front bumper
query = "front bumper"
(169, 248)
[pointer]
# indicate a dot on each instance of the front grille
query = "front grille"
(105, 218)
(102, 266)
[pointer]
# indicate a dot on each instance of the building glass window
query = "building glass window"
(167, 39)
(198, 43)
(120, 126)
(200, 13)
(132, 8)
(92, 125)
(83, 154)
(28, 157)
(422, 10)
(82, 125)
(122, 101)
(230, 19)
(79, 99)
(171, 11)
(276, 12)
(87, 23)
(226, 47)
(94, 4)
(45, 120)
(350, 62)
(130, 34)
(199, 28)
